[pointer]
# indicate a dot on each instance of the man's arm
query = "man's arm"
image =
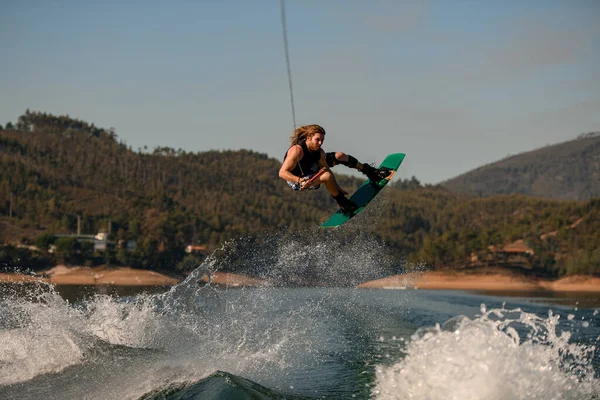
(294, 155)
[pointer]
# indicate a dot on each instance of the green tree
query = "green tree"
(66, 250)
(189, 263)
(44, 241)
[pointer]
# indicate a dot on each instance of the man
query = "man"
(304, 160)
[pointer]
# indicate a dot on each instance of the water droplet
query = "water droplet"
(595, 312)
(570, 317)
(585, 324)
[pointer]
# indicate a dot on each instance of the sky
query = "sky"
(454, 84)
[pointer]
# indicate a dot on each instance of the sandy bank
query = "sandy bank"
(232, 280)
(498, 282)
(123, 276)
(20, 278)
(574, 284)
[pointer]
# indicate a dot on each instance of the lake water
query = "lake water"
(295, 343)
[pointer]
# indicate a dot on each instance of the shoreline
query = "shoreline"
(122, 276)
(435, 280)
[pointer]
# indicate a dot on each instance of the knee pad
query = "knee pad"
(331, 160)
(351, 163)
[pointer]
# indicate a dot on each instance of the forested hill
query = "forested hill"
(564, 171)
(57, 168)
(55, 171)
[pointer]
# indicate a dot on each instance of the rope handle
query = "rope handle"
(313, 178)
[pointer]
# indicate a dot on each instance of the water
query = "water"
(197, 342)
(303, 342)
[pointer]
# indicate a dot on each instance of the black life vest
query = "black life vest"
(309, 163)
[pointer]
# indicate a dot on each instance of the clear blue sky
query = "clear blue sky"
(454, 84)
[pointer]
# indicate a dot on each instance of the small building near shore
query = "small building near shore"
(196, 249)
(516, 253)
(100, 240)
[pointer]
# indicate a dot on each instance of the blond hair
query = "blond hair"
(305, 132)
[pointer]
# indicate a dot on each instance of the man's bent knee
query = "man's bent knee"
(326, 176)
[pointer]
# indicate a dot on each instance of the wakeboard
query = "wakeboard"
(366, 192)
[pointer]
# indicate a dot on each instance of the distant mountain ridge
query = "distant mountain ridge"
(563, 171)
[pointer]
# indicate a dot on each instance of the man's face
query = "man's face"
(315, 142)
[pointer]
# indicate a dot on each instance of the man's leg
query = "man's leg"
(335, 158)
(336, 191)
(330, 183)
(375, 175)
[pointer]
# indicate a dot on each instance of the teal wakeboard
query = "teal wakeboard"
(366, 192)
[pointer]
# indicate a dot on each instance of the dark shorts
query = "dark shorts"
(296, 186)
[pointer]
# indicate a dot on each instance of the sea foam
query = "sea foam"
(38, 336)
(501, 354)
